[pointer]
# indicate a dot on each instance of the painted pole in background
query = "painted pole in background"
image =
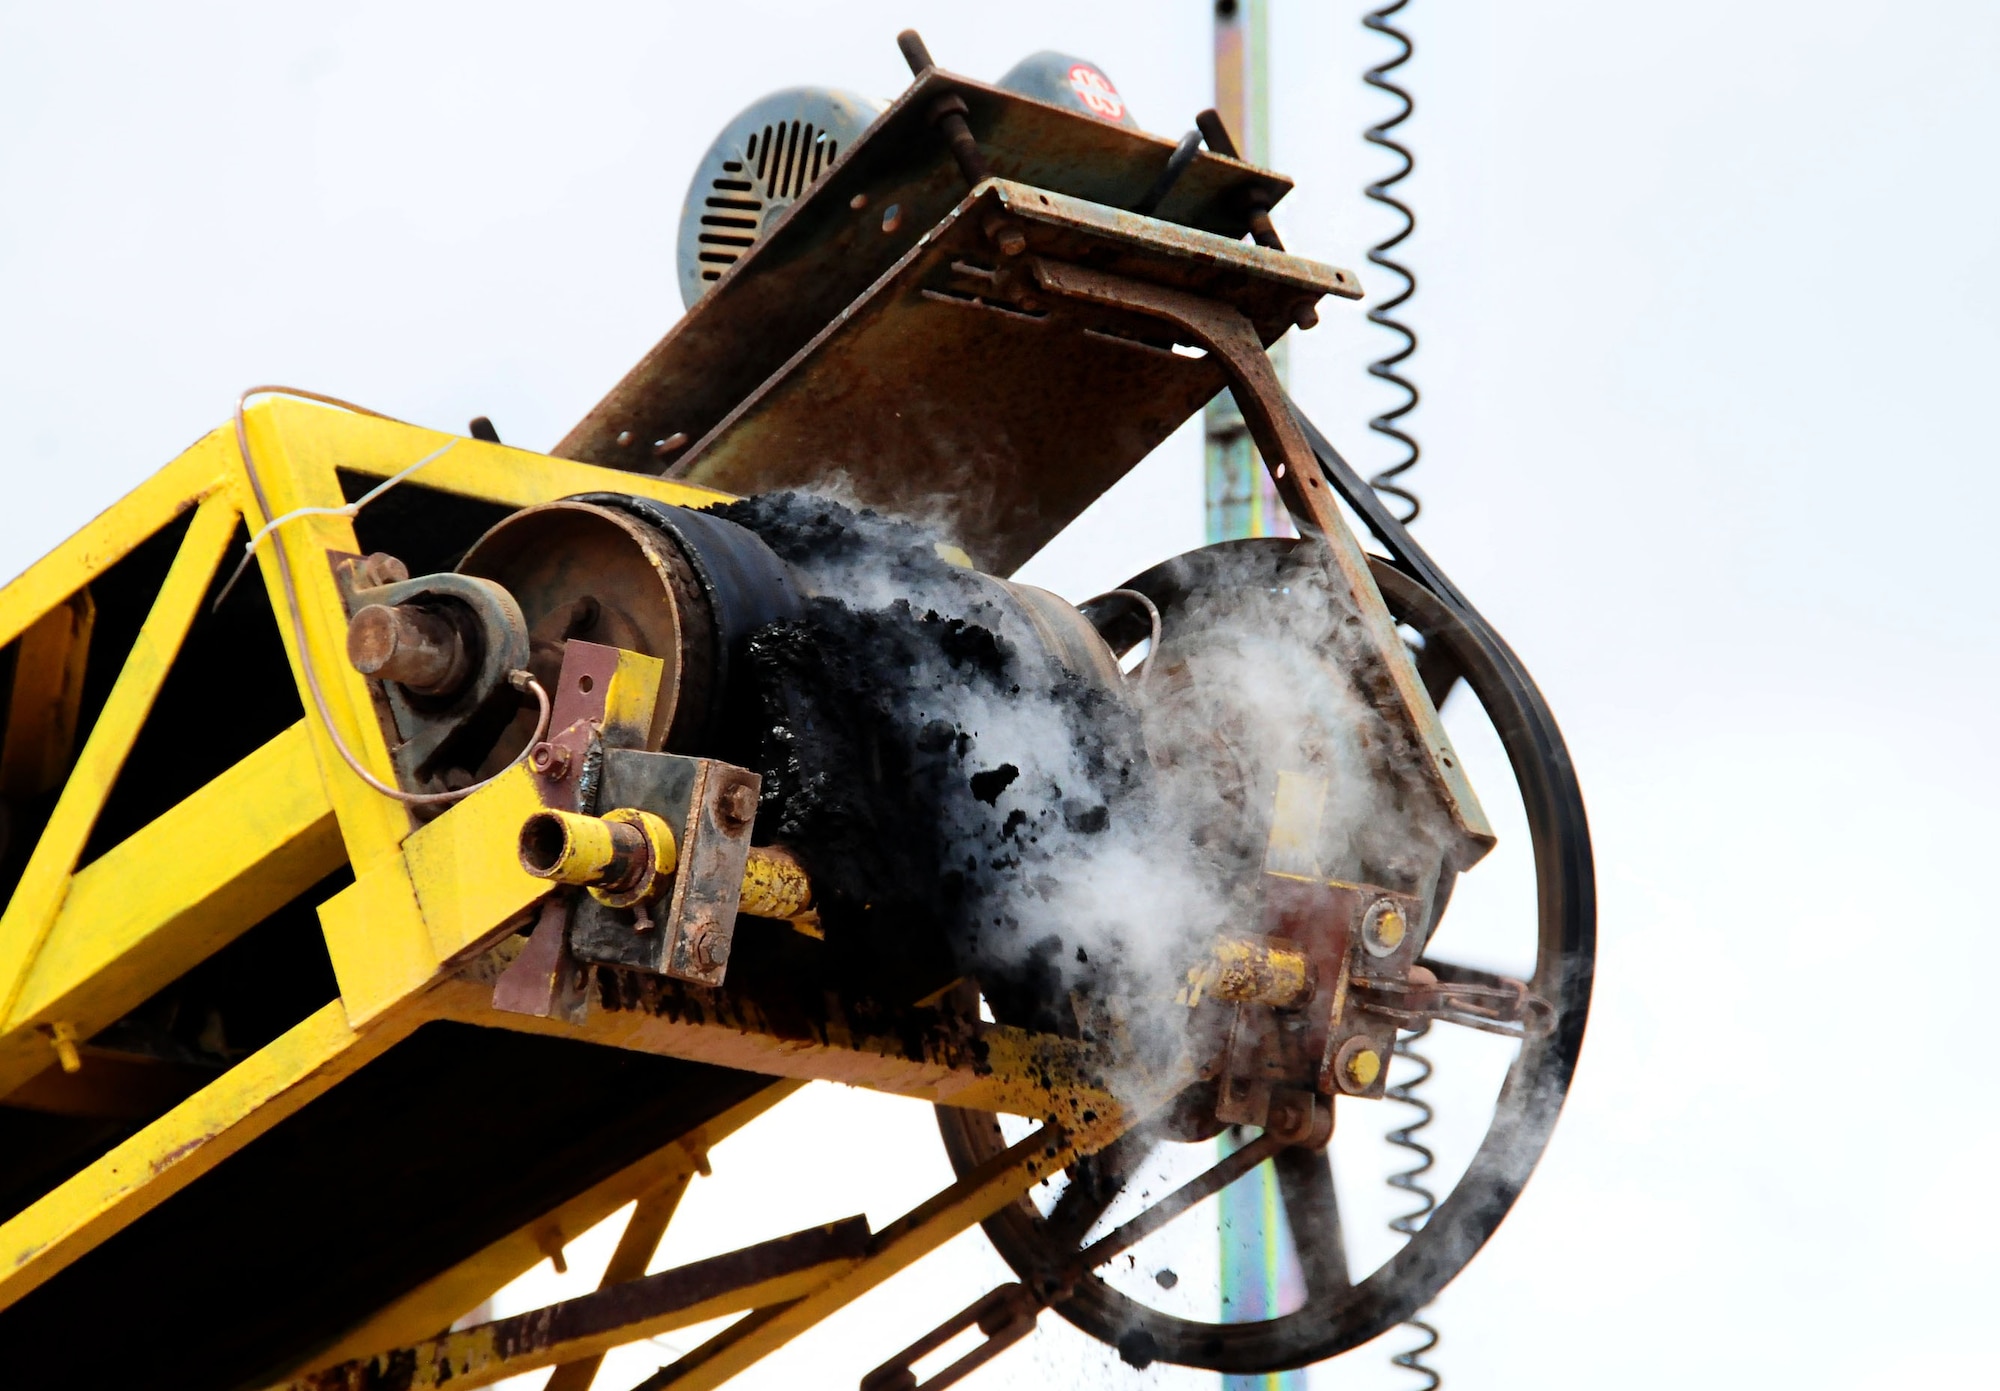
(1260, 1273)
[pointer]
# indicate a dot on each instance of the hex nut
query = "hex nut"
(738, 803)
(378, 569)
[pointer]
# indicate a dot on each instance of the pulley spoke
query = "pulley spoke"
(1096, 1182)
(1305, 1185)
(1213, 1180)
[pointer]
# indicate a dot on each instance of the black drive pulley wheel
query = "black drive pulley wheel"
(1457, 645)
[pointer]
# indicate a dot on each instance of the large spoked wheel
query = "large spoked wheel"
(1338, 1314)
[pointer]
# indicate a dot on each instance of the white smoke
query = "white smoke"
(1256, 680)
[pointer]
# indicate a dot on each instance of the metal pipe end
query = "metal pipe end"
(566, 847)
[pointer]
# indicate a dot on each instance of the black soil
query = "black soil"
(873, 766)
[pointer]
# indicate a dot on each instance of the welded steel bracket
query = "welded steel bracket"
(688, 934)
(1230, 338)
(604, 696)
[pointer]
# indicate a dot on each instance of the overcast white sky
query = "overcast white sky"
(1709, 292)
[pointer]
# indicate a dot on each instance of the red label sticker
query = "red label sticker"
(1095, 91)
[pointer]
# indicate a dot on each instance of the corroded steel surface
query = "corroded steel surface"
(955, 388)
(833, 244)
(767, 1273)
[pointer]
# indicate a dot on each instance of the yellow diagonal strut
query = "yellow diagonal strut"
(45, 881)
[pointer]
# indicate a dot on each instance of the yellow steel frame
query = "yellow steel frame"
(411, 939)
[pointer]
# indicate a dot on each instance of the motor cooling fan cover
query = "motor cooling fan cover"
(763, 161)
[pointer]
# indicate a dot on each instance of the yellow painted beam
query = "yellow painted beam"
(1002, 1069)
(466, 865)
(434, 1304)
(295, 454)
(175, 892)
(489, 472)
(377, 942)
(457, 884)
(39, 894)
(114, 532)
(187, 1142)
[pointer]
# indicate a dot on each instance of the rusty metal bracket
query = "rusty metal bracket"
(687, 935)
(1229, 337)
(604, 696)
(755, 1276)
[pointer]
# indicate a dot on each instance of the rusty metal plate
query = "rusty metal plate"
(688, 934)
(956, 388)
(832, 244)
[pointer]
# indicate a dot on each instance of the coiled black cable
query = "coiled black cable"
(1408, 1181)
(1388, 483)
(1386, 368)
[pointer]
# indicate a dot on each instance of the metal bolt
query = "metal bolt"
(1383, 928)
(737, 804)
(550, 760)
(1359, 1065)
(373, 571)
(698, 938)
(62, 1035)
(624, 439)
(414, 647)
(677, 440)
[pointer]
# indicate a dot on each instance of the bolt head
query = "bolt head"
(738, 803)
(1357, 1066)
(1384, 928)
(550, 760)
(1363, 1068)
(379, 569)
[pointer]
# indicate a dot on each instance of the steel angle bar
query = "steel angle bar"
(974, 1198)
(588, 1326)
(636, 1245)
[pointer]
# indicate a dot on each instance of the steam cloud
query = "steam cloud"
(934, 764)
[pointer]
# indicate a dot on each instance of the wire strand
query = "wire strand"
(520, 680)
(350, 510)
